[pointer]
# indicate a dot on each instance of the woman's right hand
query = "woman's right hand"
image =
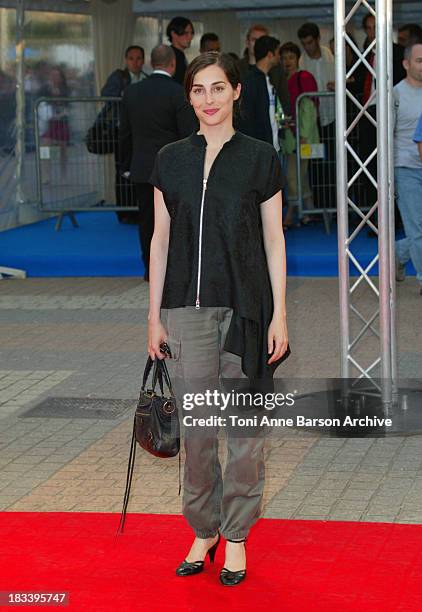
(156, 336)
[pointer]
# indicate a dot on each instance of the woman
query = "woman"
(57, 133)
(299, 82)
(217, 271)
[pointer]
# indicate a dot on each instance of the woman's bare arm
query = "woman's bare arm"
(157, 271)
(275, 250)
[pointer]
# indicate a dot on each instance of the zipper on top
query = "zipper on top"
(201, 218)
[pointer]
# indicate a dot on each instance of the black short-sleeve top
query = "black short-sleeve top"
(216, 253)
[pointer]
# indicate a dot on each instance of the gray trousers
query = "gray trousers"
(212, 501)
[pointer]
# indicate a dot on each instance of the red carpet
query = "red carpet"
(293, 565)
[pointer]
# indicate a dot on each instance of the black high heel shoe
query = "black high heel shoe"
(189, 568)
(229, 578)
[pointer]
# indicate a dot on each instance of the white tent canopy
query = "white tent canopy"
(404, 10)
(114, 22)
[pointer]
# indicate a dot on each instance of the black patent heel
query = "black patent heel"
(229, 578)
(190, 568)
(213, 549)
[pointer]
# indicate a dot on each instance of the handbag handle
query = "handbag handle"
(160, 373)
(166, 375)
(156, 374)
(147, 371)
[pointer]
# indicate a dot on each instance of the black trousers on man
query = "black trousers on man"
(145, 198)
(125, 196)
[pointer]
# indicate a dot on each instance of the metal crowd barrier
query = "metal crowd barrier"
(77, 151)
(320, 175)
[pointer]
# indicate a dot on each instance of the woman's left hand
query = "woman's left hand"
(277, 339)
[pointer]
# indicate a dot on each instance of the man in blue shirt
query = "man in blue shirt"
(417, 136)
(407, 163)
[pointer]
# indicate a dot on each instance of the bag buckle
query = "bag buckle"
(169, 407)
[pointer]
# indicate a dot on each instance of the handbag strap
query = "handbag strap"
(160, 374)
(147, 372)
(166, 375)
(130, 467)
(157, 374)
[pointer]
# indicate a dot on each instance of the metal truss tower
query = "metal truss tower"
(372, 331)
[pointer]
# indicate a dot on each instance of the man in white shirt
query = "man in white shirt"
(319, 61)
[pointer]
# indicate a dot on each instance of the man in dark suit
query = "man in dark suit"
(132, 73)
(259, 98)
(114, 87)
(276, 73)
(154, 113)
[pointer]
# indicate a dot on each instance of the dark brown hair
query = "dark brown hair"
(290, 47)
(178, 25)
(308, 29)
(212, 58)
(137, 47)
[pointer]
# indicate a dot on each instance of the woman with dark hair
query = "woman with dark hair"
(299, 82)
(57, 132)
(218, 273)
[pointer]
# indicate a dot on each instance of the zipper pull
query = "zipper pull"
(197, 304)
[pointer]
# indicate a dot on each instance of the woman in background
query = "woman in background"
(299, 82)
(57, 132)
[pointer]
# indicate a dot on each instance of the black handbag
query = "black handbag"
(156, 425)
(102, 137)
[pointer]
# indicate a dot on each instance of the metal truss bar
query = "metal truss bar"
(355, 8)
(361, 57)
(392, 255)
(363, 272)
(367, 326)
(365, 220)
(342, 207)
(384, 84)
(330, 211)
(357, 5)
(20, 106)
(368, 268)
(376, 393)
(369, 370)
(362, 111)
(365, 373)
(369, 7)
(362, 165)
(367, 322)
(361, 277)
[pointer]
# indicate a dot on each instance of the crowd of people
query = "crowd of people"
(273, 76)
(41, 79)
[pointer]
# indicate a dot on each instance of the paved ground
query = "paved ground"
(85, 338)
